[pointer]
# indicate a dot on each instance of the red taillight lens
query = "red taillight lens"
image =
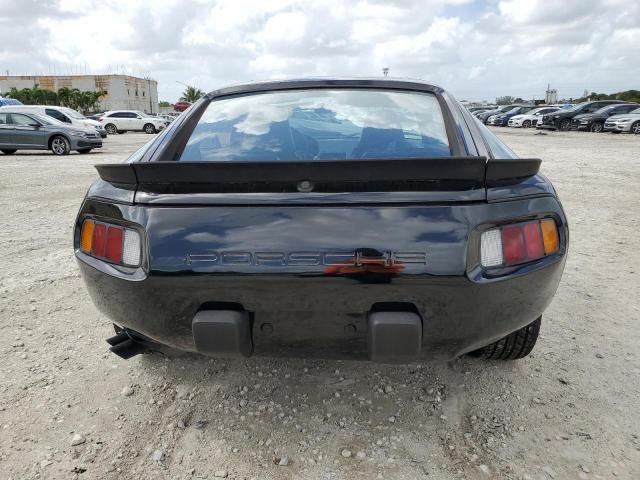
(112, 243)
(513, 245)
(519, 243)
(533, 240)
(99, 243)
(113, 252)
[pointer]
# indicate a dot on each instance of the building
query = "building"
(120, 91)
(551, 95)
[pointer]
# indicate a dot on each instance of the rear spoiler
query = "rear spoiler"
(396, 174)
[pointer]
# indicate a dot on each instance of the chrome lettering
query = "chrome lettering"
(307, 258)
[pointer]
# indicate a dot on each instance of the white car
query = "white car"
(62, 114)
(119, 121)
(624, 122)
(530, 119)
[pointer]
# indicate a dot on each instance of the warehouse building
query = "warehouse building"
(122, 92)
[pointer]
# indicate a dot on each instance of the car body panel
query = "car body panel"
(23, 136)
(309, 263)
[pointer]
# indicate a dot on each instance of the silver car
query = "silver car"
(624, 122)
(29, 131)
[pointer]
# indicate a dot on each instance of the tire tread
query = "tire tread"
(514, 346)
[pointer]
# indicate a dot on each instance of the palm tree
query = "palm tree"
(93, 99)
(15, 93)
(191, 94)
(75, 98)
(64, 95)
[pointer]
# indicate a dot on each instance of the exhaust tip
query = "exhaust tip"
(125, 347)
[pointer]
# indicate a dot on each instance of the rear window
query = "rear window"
(320, 125)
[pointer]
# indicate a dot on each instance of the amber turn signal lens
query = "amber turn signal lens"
(86, 237)
(550, 236)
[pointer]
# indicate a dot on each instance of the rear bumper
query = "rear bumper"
(324, 316)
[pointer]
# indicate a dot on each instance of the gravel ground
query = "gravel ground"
(69, 409)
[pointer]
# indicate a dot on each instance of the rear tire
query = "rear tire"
(111, 128)
(60, 145)
(597, 127)
(149, 128)
(565, 125)
(635, 128)
(9, 151)
(514, 346)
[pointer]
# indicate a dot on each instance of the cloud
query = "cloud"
(475, 49)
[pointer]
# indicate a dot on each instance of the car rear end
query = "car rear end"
(352, 220)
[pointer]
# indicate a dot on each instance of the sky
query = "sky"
(475, 49)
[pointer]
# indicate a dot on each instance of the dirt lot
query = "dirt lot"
(569, 411)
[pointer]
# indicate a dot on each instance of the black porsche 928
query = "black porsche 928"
(343, 218)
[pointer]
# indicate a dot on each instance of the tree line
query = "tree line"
(83, 101)
(627, 96)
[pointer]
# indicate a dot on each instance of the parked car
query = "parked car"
(181, 106)
(594, 122)
(530, 118)
(9, 101)
(627, 123)
(30, 131)
(483, 108)
(120, 121)
(558, 106)
(62, 114)
(475, 111)
(285, 214)
(563, 119)
(484, 116)
(502, 119)
(167, 117)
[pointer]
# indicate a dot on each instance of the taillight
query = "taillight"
(112, 243)
(519, 243)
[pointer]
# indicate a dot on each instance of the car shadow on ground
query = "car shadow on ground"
(406, 412)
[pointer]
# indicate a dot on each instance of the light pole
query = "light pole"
(150, 95)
